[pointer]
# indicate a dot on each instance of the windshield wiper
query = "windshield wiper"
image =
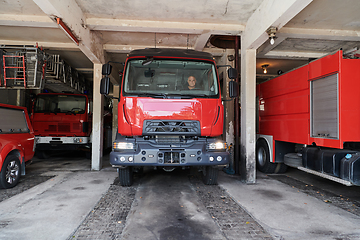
(187, 96)
(153, 95)
(195, 95)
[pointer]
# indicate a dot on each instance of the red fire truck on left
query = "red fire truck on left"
(17, 144)
(61, 121)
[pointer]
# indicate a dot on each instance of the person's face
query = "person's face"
(191, 81)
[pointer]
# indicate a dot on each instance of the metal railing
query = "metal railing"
(22, 67)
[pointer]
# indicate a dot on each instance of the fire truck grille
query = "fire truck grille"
(52, 128)
(63, 127)
(168, 139)
(165, 127)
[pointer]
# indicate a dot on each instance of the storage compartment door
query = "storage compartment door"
(325, 107)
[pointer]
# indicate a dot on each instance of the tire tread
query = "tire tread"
(126, 176)
(210, 176)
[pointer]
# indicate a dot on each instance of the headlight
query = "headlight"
(123, 146)
(217, 146)
(77, 140)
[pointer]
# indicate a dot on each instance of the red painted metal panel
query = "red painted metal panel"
(350, 100)
(288, 128)
(284, 107)
(285, 102)
(288, 83)
(138, 109)
(325, 66)
(292, 103)
(22, 142)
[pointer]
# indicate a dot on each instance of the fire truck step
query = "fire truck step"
(323, 175)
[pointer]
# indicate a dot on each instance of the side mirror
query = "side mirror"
(232, 73)
(233, 89)
(106, 69)
(105, 85)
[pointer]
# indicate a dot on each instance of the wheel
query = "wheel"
(126, 176)
(210, 175)
(263, 159)
(10, 172)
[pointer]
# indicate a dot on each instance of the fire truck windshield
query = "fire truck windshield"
(162, 78)
(60, 104)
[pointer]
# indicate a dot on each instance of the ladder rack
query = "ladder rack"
(16, 63)
(22, 67)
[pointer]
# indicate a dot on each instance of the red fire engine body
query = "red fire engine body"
(61, 121)
(309, 118)
(161, 122)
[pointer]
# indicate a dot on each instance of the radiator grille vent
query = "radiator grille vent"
(169, 139)
(178, 127)
(61, 128)
(64, 127)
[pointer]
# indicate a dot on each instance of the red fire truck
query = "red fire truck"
(309, 118)
(17, 144)
(161, 122)
(61, 121)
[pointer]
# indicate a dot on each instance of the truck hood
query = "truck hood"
(137, 110)
(60, 124)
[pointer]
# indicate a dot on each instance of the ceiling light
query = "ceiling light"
(272, 41)
(272, 32)
(264, 67)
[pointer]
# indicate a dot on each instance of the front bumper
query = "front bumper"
(147, 154)
(61, 143)
(62, 140)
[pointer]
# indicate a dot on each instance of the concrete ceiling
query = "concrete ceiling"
(109, 29)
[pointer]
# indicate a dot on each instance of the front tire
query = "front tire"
(263, 159)
(126, 176)
(10, 172)
(210, 175)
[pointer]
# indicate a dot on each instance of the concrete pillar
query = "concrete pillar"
(116, 92)
(228, 105)
(248, 120)
(274, 13)
(97, 125)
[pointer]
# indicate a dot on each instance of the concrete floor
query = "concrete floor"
(60, 198)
